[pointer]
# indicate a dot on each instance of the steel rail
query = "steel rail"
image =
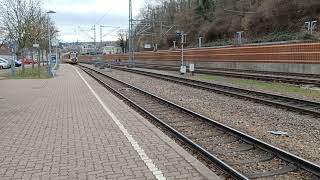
(292, 78)
(237, 70)
(225, 167)
(290, 103)
(282, 154)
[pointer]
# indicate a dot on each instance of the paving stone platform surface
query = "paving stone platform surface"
(61, 129)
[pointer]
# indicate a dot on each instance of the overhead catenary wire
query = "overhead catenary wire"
(103, 16)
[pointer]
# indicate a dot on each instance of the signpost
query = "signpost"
(147, 46)
(54, 57)
(191, 69)
(38, 57)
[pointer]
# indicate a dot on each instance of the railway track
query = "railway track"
(289, 103)
(292, 78)
(238, 154)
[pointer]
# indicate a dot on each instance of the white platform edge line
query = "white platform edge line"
(144, 157)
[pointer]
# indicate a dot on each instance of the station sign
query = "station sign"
(191, 67)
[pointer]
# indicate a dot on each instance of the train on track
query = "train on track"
(71, 58)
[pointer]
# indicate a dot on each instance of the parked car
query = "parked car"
(17, 63)
(28, 61)
(4, 64)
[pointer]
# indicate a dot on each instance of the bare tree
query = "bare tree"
(3, 36)
(25, 22)
(123, 40)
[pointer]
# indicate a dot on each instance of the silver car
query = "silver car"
(4, 64)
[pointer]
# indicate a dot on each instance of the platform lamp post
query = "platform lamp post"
(130, 53)
(13, 54)
(49, 43)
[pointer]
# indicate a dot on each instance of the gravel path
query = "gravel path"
(252, 118)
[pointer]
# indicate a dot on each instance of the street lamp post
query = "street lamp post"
(49, 43)
(130, 33)
(13, 53)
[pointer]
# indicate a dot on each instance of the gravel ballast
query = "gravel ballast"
(250, 87)
(253, 118)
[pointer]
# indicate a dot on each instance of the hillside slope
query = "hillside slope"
(217, 21)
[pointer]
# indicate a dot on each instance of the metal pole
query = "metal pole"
(200, 42)
(57, 54)
(39, 61)
(13, 61)
(130, 35)
(49, 49)
(182, 63)
(49, 44)
(161, 29)
(174, 44)
(95, 39)
(182, 42)
(101, 35)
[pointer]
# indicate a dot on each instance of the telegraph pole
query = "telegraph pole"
(100, 35)
(130, 35)
(95, 38)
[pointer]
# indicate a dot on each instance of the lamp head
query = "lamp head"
(51, 12)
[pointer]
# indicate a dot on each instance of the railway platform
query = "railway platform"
(70, 127)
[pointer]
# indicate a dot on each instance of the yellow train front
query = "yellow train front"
(72, 58)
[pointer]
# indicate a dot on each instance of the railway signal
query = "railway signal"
(183, 37)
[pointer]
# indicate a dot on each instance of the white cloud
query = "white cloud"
(85, 13)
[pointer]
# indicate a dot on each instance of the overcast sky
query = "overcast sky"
(74, 18)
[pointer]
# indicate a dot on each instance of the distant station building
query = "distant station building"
(111, 50)
(5, 52)
(87, 49)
